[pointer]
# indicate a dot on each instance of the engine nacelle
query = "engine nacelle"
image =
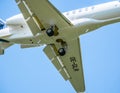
(18, 27)
(16, 20)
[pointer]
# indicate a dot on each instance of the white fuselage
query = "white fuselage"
(98, 12)
(84, 20)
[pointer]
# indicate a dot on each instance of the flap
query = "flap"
(56, 61)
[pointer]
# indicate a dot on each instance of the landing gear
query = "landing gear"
(52, 31)
(61, 51)
(63, 44)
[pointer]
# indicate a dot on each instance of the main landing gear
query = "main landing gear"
(61, 51)
(53, 31)
(50, 32)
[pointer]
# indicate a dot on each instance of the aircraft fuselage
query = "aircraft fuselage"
(84, 20)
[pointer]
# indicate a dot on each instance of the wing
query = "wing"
(69, 65)
(40, 14)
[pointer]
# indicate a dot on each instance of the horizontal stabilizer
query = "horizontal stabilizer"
(4, 45)
(1, 51)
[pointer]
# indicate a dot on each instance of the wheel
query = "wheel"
(61, 51)
(50, 32)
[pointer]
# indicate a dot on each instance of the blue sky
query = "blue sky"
(30, 71)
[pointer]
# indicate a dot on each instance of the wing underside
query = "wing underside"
(40, 14)
(70, 65)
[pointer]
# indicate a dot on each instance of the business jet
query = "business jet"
(40, 23)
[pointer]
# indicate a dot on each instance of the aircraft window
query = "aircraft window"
(73, 12)
(86, 9)
(67, 13)
(80, 10)
(92, 7)
(117, 5)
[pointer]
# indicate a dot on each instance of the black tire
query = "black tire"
(50, 32)
(61, 51)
